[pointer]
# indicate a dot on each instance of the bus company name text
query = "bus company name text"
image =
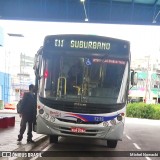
(84, 44)
(55, 114)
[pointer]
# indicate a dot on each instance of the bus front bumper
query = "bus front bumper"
(98, 131)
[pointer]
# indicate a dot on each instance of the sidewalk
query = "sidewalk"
(8, 136)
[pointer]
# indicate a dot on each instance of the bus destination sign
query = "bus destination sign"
(78, 43)
(83, 44)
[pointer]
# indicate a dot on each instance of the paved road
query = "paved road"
(145, 133)
(139, 135)
(8, 136)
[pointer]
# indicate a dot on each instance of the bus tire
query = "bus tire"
(53, 139)
(112, 143)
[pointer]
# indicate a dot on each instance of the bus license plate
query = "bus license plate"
(78, 130)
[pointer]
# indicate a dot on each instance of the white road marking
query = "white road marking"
(128, 137)
(136, 145)
(45, 149)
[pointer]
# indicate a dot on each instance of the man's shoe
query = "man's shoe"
(19, 138)
(30, 141)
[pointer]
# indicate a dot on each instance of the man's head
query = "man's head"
(31, 88)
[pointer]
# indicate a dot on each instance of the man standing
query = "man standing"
(27, 113)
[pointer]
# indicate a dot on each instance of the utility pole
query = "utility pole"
(148, 97)
(21, 72)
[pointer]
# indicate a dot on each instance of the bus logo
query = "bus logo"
(79, 121)
(80, 104)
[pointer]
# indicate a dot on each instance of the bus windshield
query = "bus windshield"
(80, 78)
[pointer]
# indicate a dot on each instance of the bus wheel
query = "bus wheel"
(53, 139)
(112, 143)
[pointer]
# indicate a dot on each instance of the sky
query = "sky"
(144, 40)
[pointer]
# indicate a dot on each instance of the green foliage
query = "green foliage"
(143, 110)
(156, 114)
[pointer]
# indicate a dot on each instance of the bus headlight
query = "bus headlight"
(52, 119)
(119, 118)
(46, 116)
(41, 111)
(105, 124)
(113, 122)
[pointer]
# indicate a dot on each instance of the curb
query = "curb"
(8, 112)
(29, 147)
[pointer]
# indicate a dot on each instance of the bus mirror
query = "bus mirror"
(134, 78)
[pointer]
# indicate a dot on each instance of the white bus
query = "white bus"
(82, 87)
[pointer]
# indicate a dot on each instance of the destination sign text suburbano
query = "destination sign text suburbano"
(83, 44)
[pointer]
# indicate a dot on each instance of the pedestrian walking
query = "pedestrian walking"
(27, 113)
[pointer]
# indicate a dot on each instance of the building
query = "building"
(24, 76)
(5, 77)
(148, 87)
(16, 68)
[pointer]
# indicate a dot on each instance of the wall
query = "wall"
(1, 36)
(5, 79)
(5, 82)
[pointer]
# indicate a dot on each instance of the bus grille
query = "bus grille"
(90, 108)
(81, 122)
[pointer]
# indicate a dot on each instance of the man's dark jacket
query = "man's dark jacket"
(28, 105)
